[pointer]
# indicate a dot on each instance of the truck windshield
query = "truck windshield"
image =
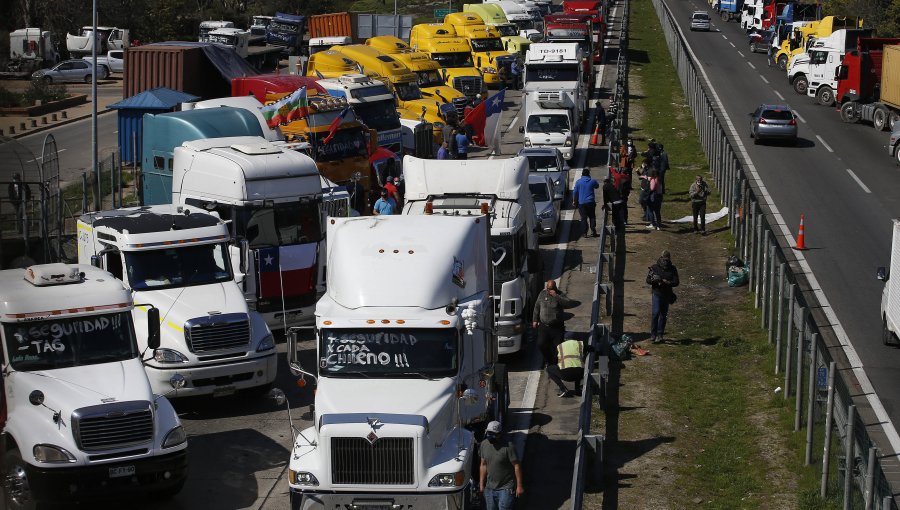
(543, 164)
(408, 91)
(504, 258)
(456, 59)
(284, 27)
(178, 267)
(507, 30)
(378, 115)
(347, 143)
(70, 342)
(429, 78)
(389, 352)
(524, 24)
(818, 57)
(551, 73)
(490, 44)
(281, 224)
(228, 40)
(548, 124)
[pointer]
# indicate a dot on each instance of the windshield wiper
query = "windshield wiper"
(422, 375)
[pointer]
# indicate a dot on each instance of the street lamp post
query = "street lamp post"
(94, 163)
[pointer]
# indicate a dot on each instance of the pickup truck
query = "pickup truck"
(114, 60)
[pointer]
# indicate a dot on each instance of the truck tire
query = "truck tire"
(782, 62)
(887, 338)
(850, 112)
(15, 484)
(880, 119)
(897, 153)
(893, 119)
(825, 95)
(800, 84)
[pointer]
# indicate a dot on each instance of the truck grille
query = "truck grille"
(468, 85)
(387, 461)
(113, 426)
(460, 104)
(218, 332)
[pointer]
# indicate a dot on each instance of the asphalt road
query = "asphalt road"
(840, 176)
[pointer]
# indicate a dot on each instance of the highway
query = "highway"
(839, 176)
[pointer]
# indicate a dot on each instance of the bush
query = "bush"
(9, 99)
(40, 90)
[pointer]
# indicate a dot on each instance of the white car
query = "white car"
(700, 21)
(545, 209)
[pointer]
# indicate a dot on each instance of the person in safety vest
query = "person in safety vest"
(569, 364)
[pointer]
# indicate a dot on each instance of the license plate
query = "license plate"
(224, 391)
(121, 471)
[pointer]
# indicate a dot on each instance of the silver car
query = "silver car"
(71, 71)
(545, 210)
(773, 122)
(700, 21)
(549, 161)
(894, 143)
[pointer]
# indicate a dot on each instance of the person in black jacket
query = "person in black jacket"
(662, 278)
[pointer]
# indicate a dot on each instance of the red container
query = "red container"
(181, 68)
(330, 25)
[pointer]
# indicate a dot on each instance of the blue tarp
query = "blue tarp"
(160, 98)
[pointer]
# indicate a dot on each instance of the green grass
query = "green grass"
(73, 193)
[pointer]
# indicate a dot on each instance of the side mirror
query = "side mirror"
(881, 274)
(36, 397)
(521, 129)
(153, 328)
(245, 256)
(95, 261)
(293, 355)
(479, 61)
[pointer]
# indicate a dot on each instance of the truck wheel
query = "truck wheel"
(887, 338)
(825, 96)
(893, 120)
(15, 484)
(897, 153)
(782, 62)
(880, 119)
(850, 112)
(800, 84)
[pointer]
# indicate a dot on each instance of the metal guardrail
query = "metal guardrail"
(594, 378)
(801, 334)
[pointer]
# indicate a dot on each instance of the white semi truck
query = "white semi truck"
(176, 259)
(405, 365)
(462, 188)
(81, 420)
(555, 96)
(890, 295)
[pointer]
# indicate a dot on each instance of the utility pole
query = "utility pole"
(94, 163)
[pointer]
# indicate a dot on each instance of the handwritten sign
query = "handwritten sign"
(388, 350)
(53, 337)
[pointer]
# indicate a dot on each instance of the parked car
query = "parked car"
(72, 71)
(773, 122)
(700, 21)
(894, 143)
(545, 209)
(549, 161)
(114, 60)
(760, 41)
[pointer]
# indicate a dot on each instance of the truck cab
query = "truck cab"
(81, 419)
(106, 38)
(236, 38)
(823, 59)
(493, 16)
(317, 44)
(803, 36)
(176, 258)
(516, 14)
(209, 25)
(453, 54)
(445, 188)
(487, 48)
(287, 31)
(373, 103)
(406, 372)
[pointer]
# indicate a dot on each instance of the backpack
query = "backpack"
(645, 185)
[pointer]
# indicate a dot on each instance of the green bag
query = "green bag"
(738, 276)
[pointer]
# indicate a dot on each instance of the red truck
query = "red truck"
(574, 28)
(271, 87)
(595, 10)
(868, 83)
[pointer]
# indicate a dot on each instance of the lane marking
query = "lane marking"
(800, 117)
(855, 364)
(858, 181)
(42, 157)
(725, 37)
(779, 95)
(819, 138)
(764, 79)
(741, 54)
(732, 44)
(513, 123)
(750, 64)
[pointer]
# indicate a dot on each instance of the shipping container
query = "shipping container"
(330, 25)
(890, 76)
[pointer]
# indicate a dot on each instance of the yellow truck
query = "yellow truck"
(802, 37)
(331, 64)
(429, 72)
(493, 16)
(405, 84)
(453, 54)
(487, 48)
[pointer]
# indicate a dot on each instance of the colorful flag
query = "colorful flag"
(286, 109)
(291, 268)
(332, 129)
(485, 120)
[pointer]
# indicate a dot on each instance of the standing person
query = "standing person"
(663, 165)
(444, 151)
(644, 197)
(452, 143)
(515, 70)
(19, 194)
(547, 319)
(622, 180)
(569, 365)
(698, 192)
(393, 192)
(632, 153)
(612, 202)
(384, 205)
(462, 143)
(584, 201)
(655, 201)
(476, 101)
(662, 278)
(601, 123)
(400, 186)
(501, 472)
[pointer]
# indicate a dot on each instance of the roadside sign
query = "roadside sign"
(440, 13)
(822, 378)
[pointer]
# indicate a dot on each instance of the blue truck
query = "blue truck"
(730, 9)
(287, 31)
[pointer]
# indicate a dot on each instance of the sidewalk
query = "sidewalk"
(12, 126)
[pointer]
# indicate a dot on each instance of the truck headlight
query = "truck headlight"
(489, 69)
(527, 142)
(49, 454)
(175, 437)
(568, 142)
(168, 356)
(448, 479)
(302, 478)
(266, 344)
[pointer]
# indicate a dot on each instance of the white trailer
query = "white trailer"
(463, 187)
(82, 421)
(176, 258)
(405, 365)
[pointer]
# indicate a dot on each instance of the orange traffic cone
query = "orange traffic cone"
(596, 132)
(801, 236)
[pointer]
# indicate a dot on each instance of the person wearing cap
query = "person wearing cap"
(547, 319)
(569, 365)
(393, 188)
(662, 278)
(384, 205)
(501, 472)
(476, 101)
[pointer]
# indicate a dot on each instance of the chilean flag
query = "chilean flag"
(335, 124)
(293, 265)
(485, 120)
